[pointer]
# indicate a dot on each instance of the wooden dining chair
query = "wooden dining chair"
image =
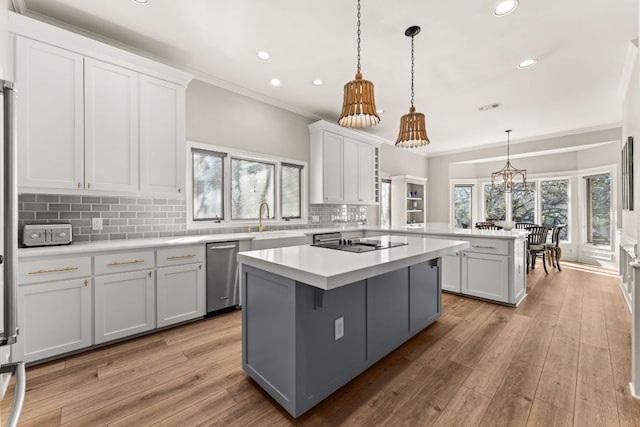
(536, 246)
(553, 249)
(524, 225)
(487, 226)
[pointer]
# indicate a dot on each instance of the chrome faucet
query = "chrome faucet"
(260, 226)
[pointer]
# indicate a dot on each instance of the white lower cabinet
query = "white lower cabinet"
(451, 272)
(181, 293)
(54, 318)
(124, 305)
(485, 276)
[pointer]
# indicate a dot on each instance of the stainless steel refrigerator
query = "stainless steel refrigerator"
(9, 256)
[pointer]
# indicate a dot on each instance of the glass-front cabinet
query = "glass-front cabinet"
(408, 201)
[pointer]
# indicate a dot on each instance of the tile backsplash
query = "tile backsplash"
(137, 217)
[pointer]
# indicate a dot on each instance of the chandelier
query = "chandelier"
(359, 105)
(505, 178)
(413, 131)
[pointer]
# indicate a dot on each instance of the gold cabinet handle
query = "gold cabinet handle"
(56, 270)
(79, 184)
(149, 274)
(86, 283)
(181, 256)
(135, 261)
(88, 185)
(483, 247)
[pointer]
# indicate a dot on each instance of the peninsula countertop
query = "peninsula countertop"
(328, 269)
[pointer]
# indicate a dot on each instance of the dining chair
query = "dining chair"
(524, 225)
(487, 226)
(536, 246)
(554, 252)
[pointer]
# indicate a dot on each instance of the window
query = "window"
(208, 172)
(385, 203)
(462, 199)
(227, 187)
(523, 202)
(251, 184)
(291, 190)
(599, 209)
(554, 204)
(494, 204)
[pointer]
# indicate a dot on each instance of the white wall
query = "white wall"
(4, 40)
(631, 127)
(400, 161)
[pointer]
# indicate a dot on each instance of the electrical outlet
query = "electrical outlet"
(315, 218)
(96, 224)
(338, 326)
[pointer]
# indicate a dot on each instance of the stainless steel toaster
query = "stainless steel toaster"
(46, 234)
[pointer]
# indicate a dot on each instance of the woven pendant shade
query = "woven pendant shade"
(413, 131)
(359, 105)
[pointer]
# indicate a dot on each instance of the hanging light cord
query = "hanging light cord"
(358, 36)
(412, 71)
(508, 144)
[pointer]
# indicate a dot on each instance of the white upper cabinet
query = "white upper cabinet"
(162, 133)
(95, 118)
(111, 127)
(344, 165)
(50, 116)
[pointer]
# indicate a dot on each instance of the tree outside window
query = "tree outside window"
(251, 184)
(494, 204)
(599, 209)
(523, 202)
(554, 204)
(208, 168)
(462, 204)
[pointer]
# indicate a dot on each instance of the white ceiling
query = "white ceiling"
(464, 57)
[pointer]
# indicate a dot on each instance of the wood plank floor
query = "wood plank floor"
(560, 359)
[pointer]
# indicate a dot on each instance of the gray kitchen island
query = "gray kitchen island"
(315, 318)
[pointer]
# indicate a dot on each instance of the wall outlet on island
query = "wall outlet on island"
(96, 224)
(339, 328)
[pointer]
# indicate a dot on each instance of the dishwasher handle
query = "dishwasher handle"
(222, 247)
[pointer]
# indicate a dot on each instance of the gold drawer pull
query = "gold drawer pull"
(135, 261)
(483, 247)
(56, 270)
(181, 256)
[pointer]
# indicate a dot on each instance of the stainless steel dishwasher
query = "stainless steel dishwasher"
(222, 277)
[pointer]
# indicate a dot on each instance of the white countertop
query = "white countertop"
(132, 244)
(328, 269)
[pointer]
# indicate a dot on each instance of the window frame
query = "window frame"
(300, 171)
(472, 197)
(589, 209)
(191, 179)
(386, 179)
(230, 153)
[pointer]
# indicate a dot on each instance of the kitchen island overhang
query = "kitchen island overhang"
(315, 318)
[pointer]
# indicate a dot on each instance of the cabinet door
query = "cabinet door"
(124, 305)
(366, 174)
(111, 127)
(50, 118)
(485, 275)
(54, 318)
(181, 293)
(162, 136)
(451, 272)
(332, 167)
(350, 170)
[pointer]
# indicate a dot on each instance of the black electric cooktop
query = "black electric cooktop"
(357, 245)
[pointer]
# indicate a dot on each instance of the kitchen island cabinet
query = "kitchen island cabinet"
(314, 318)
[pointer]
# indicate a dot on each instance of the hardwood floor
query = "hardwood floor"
(560, 359)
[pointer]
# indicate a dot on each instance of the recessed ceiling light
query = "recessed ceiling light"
(263, 56)
(141, 1)
(489, 106)
(527, 63)
(318, 82)
(505, 7)
(275, 82)
(380, 111)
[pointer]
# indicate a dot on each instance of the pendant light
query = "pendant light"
(413, 131)
(506, 176)
(359, 105)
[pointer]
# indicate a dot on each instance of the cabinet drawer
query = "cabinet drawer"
(180, 255)
(124, 261)
(53, 269)
(489, 246)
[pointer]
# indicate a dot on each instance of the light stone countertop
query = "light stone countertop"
(328, 269)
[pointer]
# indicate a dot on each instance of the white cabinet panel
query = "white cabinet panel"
(50, 117)
(350, 170)
(332, 167)
(485, 276)
(54, 318)
(181, 293)
(451, 272)
(111, 127)
(162, 135)
(124, 305)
